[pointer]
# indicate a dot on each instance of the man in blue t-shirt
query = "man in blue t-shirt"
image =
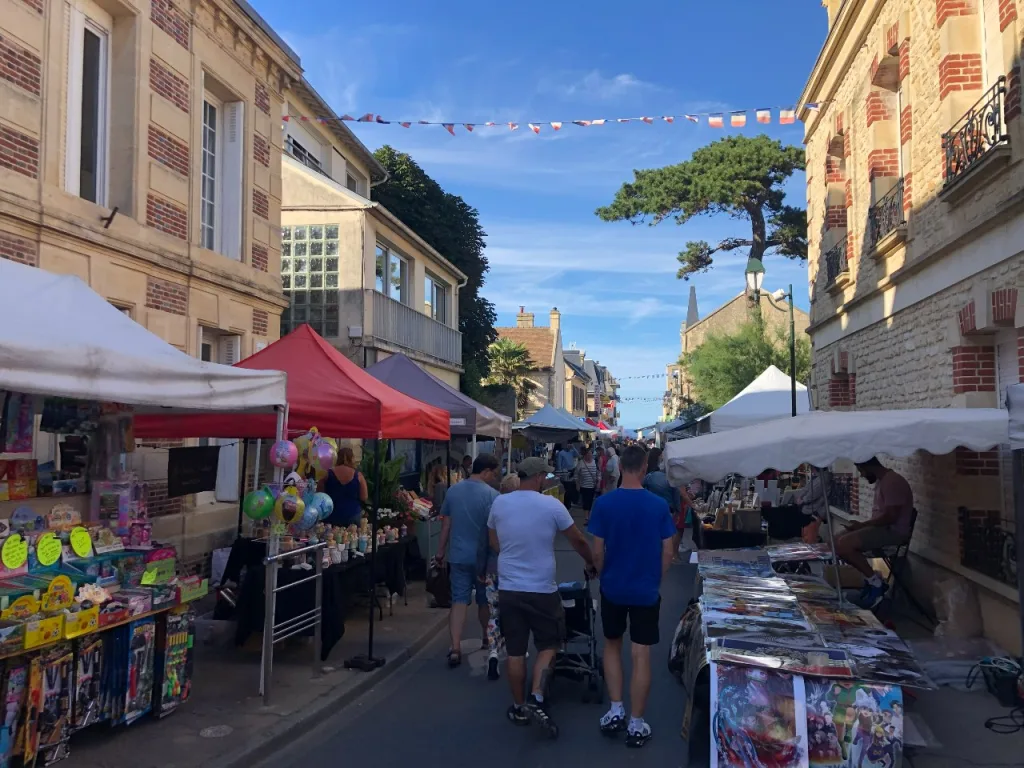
(632, 530)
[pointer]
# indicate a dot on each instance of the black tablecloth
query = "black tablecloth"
(341, 583)
(705, 538)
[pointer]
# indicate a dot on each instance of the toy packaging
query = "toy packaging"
(141, 651)
(55, 713)
(86, 704)
(15, 683)
(174, 665)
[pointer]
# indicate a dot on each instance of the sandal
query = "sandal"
(454, 659)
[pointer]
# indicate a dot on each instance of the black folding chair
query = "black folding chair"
(895, 559)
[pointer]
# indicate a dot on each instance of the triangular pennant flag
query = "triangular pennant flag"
(601, 121)
(286, 118)
(513, 126)
(692, 118)
(468, 126)
(647, 120)
(450, 127)
(556, 126)
(738, 119)
(715, 121)
(786, 116)
(764, 116)
(623, 119)
(490, 125)
(303, 118)
(367, 118)
(582, 123)
(668, 119)
(348, 118)
(813, 106)
(423, 122)
(534, 128)
(382, 121)
(405, 125)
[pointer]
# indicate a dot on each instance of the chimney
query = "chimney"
(556, 319)
(524, 319)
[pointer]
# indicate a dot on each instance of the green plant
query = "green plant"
(390, 472)
(510, 366)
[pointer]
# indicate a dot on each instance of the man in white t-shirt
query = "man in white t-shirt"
(612, 473)
(523, 525)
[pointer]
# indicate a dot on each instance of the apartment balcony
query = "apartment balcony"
(393, 323)
(887, 224)
(837, 266)
(977, 145)
(299, 153)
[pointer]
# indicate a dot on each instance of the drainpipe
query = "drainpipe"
(378, 183)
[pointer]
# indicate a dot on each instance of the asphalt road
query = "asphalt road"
(428, 715)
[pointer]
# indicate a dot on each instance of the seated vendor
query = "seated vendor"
(891, 516)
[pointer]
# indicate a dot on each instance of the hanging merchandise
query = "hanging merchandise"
(174, 662)
(139, 692)
(85, 706)
(737, 119)
(284, 454)
(16, 423)
(55, 713)
(289, 507)
(258, 504)
(14, 687)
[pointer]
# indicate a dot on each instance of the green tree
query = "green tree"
(726, 363)
(510, 365)
(739, 176)
(451, 226)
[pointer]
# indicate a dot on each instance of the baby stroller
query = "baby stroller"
(578, 659)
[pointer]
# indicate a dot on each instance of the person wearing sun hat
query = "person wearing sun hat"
(523, 525)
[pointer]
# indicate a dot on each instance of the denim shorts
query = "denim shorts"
(464, 581)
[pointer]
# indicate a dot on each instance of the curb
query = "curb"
(273, 739)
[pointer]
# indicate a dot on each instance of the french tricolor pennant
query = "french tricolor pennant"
(382, 121)
(786, 116)
(764, 116)
(450, 127)
(692, 118)
(286, 118)
(737, 119)
(647, 120)
(581, 123)
(600, 121)
(813, 106)
(367, 118)
(469, 126)
(534, 128)
(556, 126)
(490, 125)
(423, 122)
(623, 119)
(405, 125)
(348, 118)
(303, 118)
(669, 119)
(715, 121)
(513, 126)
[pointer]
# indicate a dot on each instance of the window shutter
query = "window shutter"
(73, 112)
(229, 352)
(233, 193)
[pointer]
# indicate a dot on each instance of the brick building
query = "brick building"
(140, 149)
(545, 347)
(914, 196)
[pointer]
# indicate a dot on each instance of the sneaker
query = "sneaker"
(492, 668)
(637, 736)
(613, 723)
(873, 595)
(538, 714)
(517, 715)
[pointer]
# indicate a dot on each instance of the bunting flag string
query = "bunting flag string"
(737, 119)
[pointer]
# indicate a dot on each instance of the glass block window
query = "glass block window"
(309, 276)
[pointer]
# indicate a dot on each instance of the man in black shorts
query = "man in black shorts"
(523, 525)
(633, 534)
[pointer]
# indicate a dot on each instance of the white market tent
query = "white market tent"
(822, 437)
(766, 398)
(59, 337)
(550, 424)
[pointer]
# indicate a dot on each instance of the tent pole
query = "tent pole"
(256, 468)
(270, 595)
(473, 450)
(241, 484)
(368, 663)
(1018, 505)
(831, 534)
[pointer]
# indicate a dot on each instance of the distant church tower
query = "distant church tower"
(692, 318)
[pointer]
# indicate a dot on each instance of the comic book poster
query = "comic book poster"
(853, 724)
(740, 562)
(758, 718)
(823, 662)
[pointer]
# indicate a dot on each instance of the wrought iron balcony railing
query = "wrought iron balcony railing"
(300, 153)
(978, 132)
(886, 215)
(835, 262)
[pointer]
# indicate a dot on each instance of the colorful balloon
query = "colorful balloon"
(289, 508)
(284, 454)
(323, 455)
(258, 504)
(323, 504)
(307, 520)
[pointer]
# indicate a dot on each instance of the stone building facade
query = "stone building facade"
(140, 149)
(915, 197)
(545, 347)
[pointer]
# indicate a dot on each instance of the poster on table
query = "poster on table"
(741, 562)
(853, 724)
(758, 718)
(823, 662)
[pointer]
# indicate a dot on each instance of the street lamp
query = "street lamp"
(755, 278)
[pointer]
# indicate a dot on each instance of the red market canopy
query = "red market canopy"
(325, 390)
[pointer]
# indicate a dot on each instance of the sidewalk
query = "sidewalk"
(226, 702)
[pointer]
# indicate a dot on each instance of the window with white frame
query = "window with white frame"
(86, 150)
(222, 193)
(355, 182)
(437, 295)
(392, 274)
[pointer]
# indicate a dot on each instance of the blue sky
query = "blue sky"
(534, 60)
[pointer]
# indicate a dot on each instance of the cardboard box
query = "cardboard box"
(43, 631)
(82, 623)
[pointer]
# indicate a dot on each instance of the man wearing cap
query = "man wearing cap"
(523, 525)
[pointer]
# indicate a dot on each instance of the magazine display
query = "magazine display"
(821, 662)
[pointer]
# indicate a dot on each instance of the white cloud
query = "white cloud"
(594, 86)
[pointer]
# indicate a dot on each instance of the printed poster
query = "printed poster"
(854, 725)
(822, 662)
(758, 718)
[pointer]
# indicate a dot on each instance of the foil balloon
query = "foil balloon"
(322, 455)
(289, 508)
(284, 454)
(307, 520)
(323, 504)
(258, 504)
